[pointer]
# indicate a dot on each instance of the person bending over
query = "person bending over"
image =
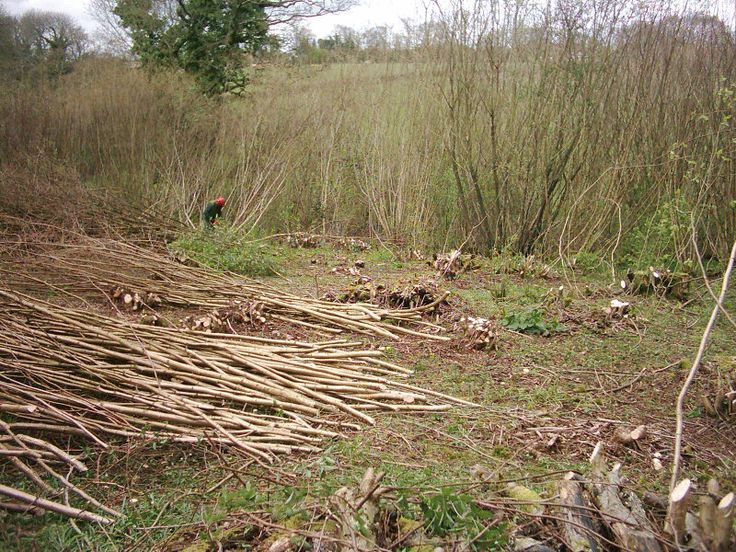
(212, 212)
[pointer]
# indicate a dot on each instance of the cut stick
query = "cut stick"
(707, 514)
(39, 502)
(674, 524)
(627, 436)
(629, 532)
(724, 523)
(20, 507)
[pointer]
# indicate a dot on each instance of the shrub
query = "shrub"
(223, 248)
(449, 513)
(530, 322)
(587, 262)
(661, 240)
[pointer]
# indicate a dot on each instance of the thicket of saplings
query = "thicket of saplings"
(553, 133)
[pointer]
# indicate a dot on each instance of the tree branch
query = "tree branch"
(694, 370)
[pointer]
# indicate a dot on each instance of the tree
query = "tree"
(211, 38)
(111, 35)
(49, 38)
(348, 37)
(8, 50)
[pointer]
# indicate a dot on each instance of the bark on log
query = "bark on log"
(630, 533)
(20, 507)
(528, 544)
(578, 525)
(628, 436)
(359, 508)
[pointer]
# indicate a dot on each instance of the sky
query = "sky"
(368, 14)
(371, 13)
(76, 8)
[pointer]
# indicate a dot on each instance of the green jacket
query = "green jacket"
(211, 213)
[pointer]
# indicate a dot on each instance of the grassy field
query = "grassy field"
(543, 404)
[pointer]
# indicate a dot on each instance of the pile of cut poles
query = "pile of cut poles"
(67, 372)
(91, 266)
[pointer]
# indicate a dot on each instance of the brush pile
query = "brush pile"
(133, 300)
(353, 244)
(453, 264)
(67, 372)
(88, 267)
(303, 240)
(30, 455)
(479, 333)
(411, 297)
(660, 281)
(225, 320)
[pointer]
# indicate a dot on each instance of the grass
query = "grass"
(531, 388)
(224, 248)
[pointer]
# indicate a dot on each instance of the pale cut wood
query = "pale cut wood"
(628, 436)
(707, 513)
(724, 523)
(358, 508)
(39, 502)
(679, 500)
(694, 534)
(20, 507)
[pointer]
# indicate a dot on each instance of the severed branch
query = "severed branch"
(679, 412)
(37, 502)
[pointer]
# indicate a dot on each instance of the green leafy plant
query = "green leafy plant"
(450, 513)
(223, 248)
(659, 240)
(587, 262)
(246, 496)
(291, 505)
(531, 322)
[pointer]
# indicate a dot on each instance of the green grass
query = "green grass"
(224, 248)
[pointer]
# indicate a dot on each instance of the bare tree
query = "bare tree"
(111, 36)
(285, 11)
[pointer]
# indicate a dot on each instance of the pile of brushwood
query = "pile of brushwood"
(662, 282)
(73, 373)
(453, 264)
(306, 240)
(83, 269)
(419, 297)
(69, 372)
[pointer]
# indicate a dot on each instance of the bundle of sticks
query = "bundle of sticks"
(68, 372)
(93, 266)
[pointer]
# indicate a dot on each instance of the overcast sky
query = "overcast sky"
(368, 13)
(76, 8)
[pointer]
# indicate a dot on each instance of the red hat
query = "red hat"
(220, 201)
